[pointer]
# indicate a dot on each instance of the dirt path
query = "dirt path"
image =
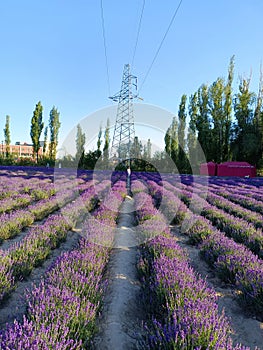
(246, 330)
(120, 321)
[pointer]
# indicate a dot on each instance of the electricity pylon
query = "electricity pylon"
(124, 131)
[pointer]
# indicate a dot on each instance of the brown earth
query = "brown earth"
(120, 324)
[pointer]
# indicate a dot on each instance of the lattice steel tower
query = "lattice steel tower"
(124, 131)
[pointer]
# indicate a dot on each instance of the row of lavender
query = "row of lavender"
(29, 194)
(20, 259)
(62, 309)
(41, 199)
(242, 225)
(233, 261)
(239, 223)
(183, 308)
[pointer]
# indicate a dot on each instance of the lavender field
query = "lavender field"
(198, 250)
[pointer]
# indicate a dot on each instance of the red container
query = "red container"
(241, 169)
(208, 169)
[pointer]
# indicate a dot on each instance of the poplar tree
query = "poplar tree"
(54, 126)
(258, 121)
(80, 144)
(7, 136)
(228, 109)
(171, 140)
(149, 149)
(106, 143)
(136, 148)
(203, 122)
(216, 104)
(45, 140)
(182, 159)
(37, 126)
(97, 153)
(191, 135)
(99, 140)
(168, 141)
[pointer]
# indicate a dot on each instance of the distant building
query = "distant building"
(22, 149)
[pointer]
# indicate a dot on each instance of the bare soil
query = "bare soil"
(246, 329)
(120, 324)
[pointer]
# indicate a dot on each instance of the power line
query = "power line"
(105, 47)
(138, 33)
(161, 44)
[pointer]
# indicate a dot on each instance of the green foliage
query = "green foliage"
(7, 136)
(211, 130)
(246, 135)
(99, 139)
(203, 121)
(106, 143)
(191, 135)
(36, 127)
(80, 144)
(90, 159)
(171, 140)
(228, 108)
(54, 125)
(25, 161)
(136, 148)
(182, 161)
(216, 104)
(45, 140)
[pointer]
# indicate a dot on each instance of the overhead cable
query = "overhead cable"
(138, 34)
(161, 44)
(105, 47)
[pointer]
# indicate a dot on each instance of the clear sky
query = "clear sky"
(53, 51)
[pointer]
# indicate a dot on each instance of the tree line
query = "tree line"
(101, 157)
(227, 125)
(37, 126)
(213, 124)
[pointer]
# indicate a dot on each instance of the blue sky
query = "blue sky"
(53, 51)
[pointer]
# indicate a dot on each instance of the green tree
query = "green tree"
(148, 149)
(98, 151)
(7, 136)
(45, 140)
(182, 158)
(80, 145)
(245, 141)
(37, 126)
(168, 141)
(258, 122)
(54, 126)
(106, 144)
(136, 148)
(228, 109)
(99, 139)
(171, 140)
(90, 159)
(191, 135)
(203, 121)
(216, 104)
